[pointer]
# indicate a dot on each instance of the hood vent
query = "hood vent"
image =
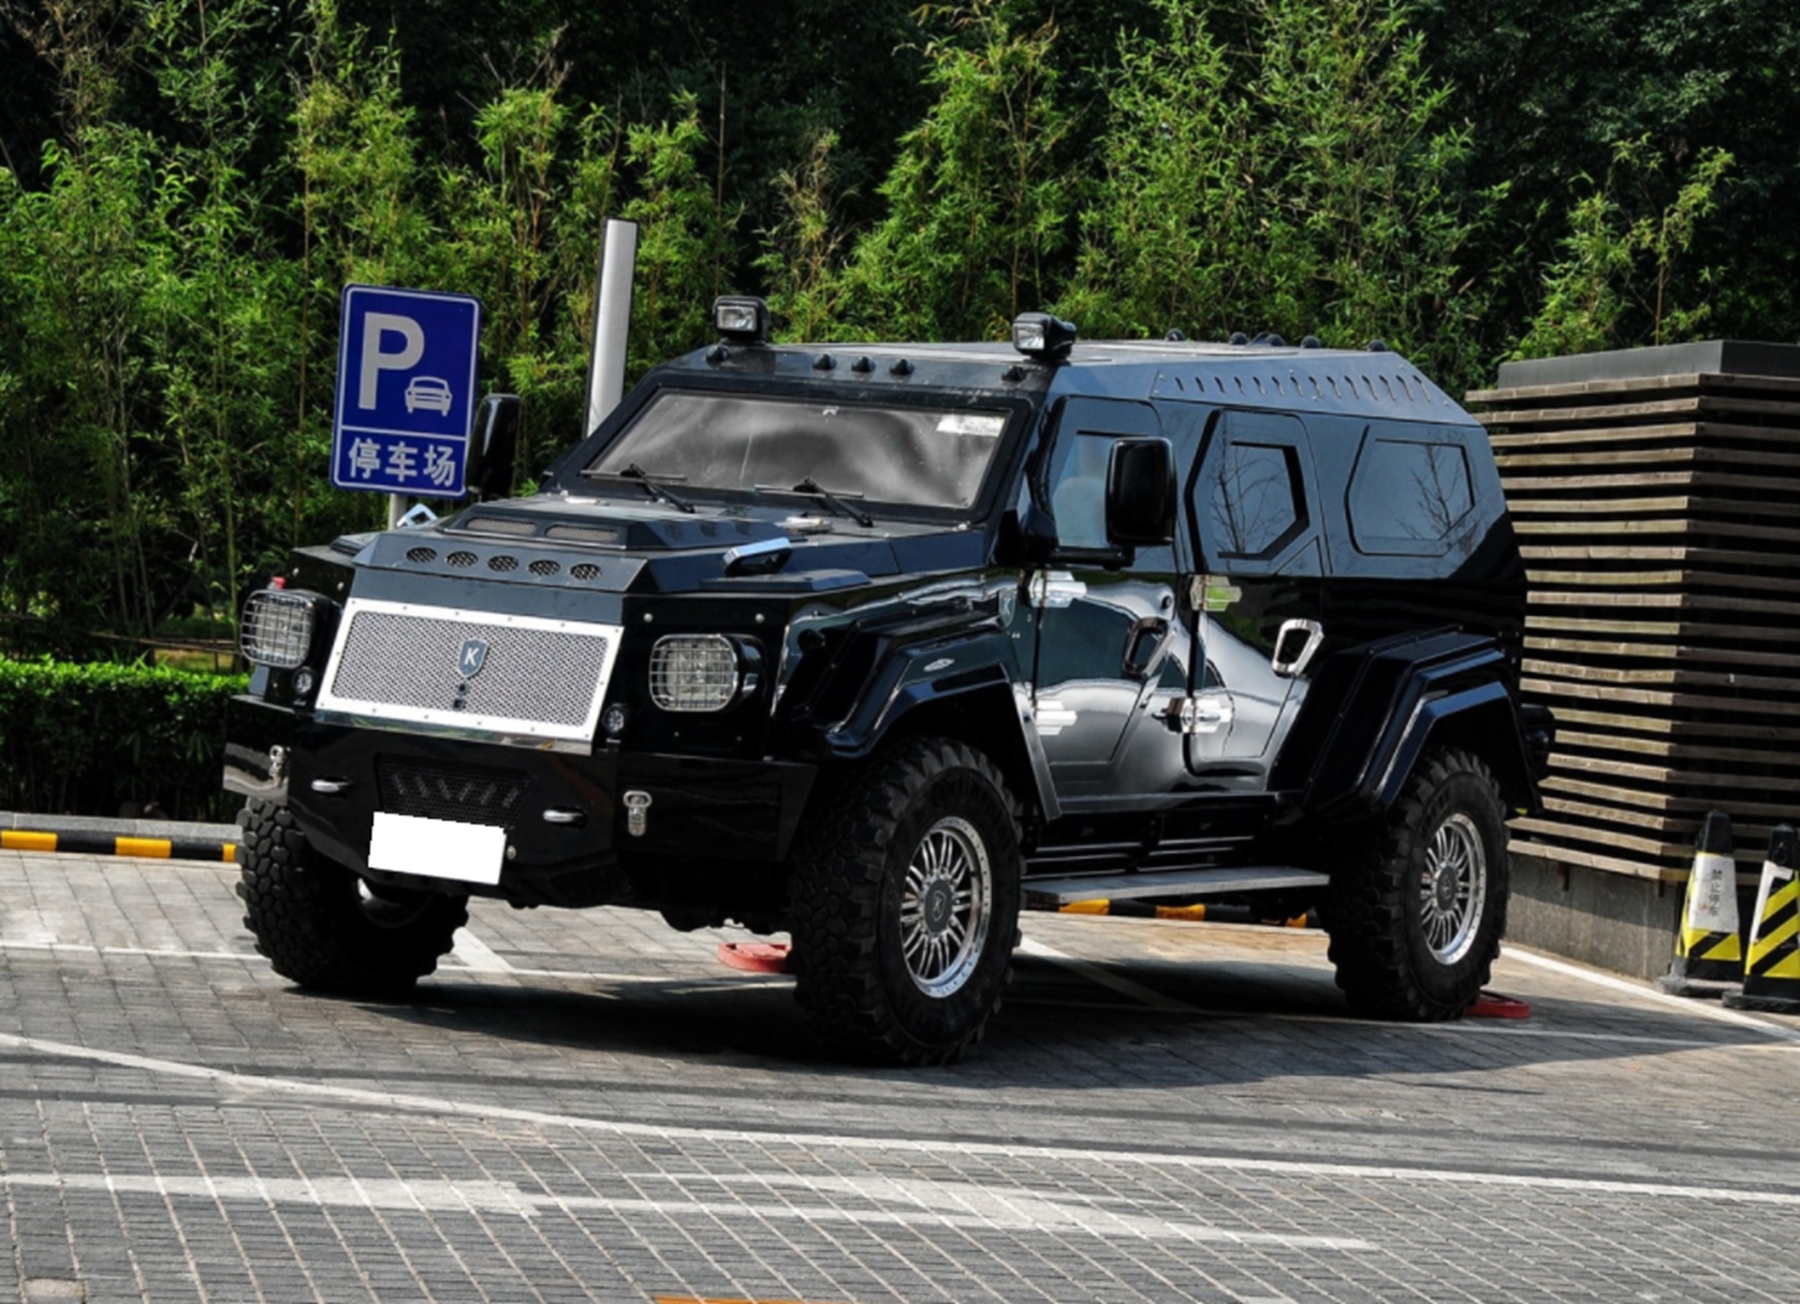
(498, 525)
(582, 533)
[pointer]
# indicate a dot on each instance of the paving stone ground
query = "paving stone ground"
(588, 1106)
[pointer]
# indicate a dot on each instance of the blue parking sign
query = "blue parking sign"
(405, 391)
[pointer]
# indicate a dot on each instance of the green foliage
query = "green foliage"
(170, 271)
(1292, 175)
(803, 253)
(1549, 88)
(1612, 286)
(979, 200)
(84, 738)
(683, 235)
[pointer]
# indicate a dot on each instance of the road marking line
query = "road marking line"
(1564, 1034)
(488, 1112)
(960, 1205)
(101, 952)
(697, 983)
(1710, 1009)
(1106, 978)
(474, 954)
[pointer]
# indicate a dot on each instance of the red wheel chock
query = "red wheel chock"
(1492, 1005)
(755, 957)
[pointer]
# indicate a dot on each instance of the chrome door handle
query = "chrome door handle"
(1292, 668)
(1206, 714)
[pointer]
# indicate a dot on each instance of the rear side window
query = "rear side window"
(1409, 494)
(1253, 504)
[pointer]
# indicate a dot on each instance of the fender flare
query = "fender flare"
(913, 680)
(1419, 691)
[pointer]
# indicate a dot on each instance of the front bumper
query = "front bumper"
(571, 839)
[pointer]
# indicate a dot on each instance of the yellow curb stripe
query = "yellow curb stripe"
(1191, 914)
(157, 848)
(1085, 908)
(229, 854)
(20, 840)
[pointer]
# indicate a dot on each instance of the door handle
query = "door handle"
(1293, 667)
(1145, 640)
(1207, 714)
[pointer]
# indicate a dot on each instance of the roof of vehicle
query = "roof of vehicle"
(1365, 382)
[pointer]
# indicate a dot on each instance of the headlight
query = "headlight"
(277, 630)
(700, 672)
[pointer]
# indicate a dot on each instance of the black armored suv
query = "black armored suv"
(876, 644)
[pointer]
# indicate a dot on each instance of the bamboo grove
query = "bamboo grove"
(210, 173)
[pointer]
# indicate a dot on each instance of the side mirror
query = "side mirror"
(494, 446)
(1140, 493)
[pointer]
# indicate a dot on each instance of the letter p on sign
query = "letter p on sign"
(377, 327)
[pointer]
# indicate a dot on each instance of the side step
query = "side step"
(1060, 891)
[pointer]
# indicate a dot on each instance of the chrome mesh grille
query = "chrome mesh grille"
(406, 664)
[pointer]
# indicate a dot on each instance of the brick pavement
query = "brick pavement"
(588, 1106)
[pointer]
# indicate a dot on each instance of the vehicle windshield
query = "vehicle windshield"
(887, 453)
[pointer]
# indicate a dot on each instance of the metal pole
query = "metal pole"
(612, 320)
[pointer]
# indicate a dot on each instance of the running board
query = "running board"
(1065, 888)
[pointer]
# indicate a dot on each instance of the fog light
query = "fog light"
(303, 682)
(693, 672)
(614, 720)
(277, 629)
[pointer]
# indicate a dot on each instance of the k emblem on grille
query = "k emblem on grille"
(473, 658)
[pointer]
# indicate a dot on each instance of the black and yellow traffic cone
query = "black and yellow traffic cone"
(1709, 955)
(1772, 970)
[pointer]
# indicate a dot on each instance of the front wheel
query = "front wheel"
(905, 904)
(322, 927)
(1416, 918)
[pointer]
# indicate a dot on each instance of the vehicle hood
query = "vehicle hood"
(604, 547)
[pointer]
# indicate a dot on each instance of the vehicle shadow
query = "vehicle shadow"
(1235, 1014)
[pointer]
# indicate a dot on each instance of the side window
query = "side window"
(1253, 502)
(1409, 493)
(1078, 497)
(1075, 481)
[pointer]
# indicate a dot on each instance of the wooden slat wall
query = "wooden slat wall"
(1660, 522)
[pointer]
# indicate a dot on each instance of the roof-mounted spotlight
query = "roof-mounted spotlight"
(741, 319)
(1043, 337)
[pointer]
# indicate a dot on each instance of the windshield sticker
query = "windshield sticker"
(970, 423)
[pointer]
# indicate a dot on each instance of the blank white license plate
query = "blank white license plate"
(412, 844)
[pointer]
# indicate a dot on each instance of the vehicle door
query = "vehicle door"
(1110, 657)
(1252, 593)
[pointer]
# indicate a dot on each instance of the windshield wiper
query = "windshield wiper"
(857, 514)
(651, 487)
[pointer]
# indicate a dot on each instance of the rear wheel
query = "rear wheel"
(321, 926)
(1416, 919)
(905, 904)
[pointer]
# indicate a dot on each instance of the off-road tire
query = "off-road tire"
(312, 919)
(1401, 952)
(916, 799)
